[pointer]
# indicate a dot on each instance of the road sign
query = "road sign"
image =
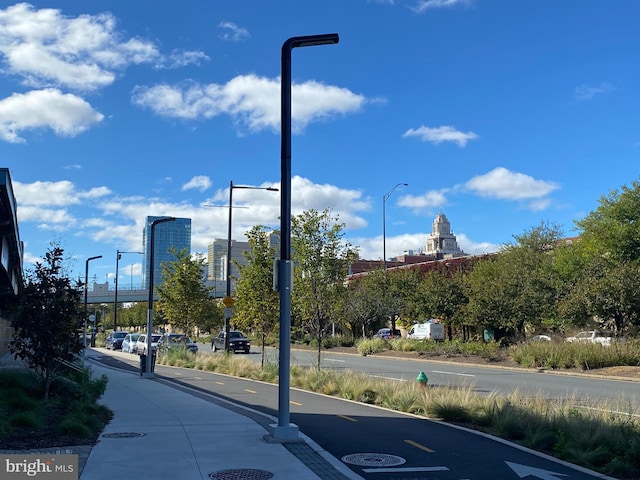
(228, 302)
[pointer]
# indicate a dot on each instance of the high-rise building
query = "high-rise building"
(217, 258)
(176, 234)
(441, 242)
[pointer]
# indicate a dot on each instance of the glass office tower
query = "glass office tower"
(176, 234)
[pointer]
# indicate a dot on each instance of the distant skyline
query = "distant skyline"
(501, 115)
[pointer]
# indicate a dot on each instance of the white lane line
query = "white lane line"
(333, 360)
(389, 378)
(454, 373)
(404, 469)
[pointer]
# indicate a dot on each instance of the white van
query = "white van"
(430, 329)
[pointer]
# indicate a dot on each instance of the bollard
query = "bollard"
(143, 363)
(422, 380)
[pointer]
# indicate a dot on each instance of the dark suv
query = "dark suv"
(237, 342)
(114, 340)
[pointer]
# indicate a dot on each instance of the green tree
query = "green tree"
(398, 289)
(442, 296)
(184, 300)
(517, 289)
(361, 306)
(134, 315)
(606, 294)
(48, 318)
(321, 259)
(257, 305)
(614, 227)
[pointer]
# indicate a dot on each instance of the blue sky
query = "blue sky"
(500, 114)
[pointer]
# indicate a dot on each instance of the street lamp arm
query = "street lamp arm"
(86, 292)
(386, 197)
(384, 222)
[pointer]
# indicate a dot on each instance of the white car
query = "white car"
(129, 343)
(141, 344)
(593, 336)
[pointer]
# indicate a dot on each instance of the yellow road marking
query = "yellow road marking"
(348, 418)
(294, 403)
(417, 445)
(250, 391)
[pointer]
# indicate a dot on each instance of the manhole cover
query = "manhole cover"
(123, 435)
(241, 474)
(373, 459)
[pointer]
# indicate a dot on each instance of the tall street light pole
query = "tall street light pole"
(147, 368)
(86, 292)
(115, 295)
(228, 300)
(284, 430)
(384, 222)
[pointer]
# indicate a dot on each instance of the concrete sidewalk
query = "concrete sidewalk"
(163, 432)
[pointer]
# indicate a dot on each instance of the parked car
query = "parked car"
(237, 342)
(170, 341)
(141, 344)
(540, 338)
(427, 330)
(129, 343)
(593, 336)
(114, 340)
(387, 334)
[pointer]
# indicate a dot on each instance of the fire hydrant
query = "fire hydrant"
(422, 380)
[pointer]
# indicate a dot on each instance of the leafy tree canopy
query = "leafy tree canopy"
(48, 318)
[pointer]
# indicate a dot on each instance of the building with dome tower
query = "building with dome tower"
(441, 242)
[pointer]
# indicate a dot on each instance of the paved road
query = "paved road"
(483, 380)
(381, 444)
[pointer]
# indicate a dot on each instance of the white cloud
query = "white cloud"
(252, 101)
(233, 32)
(65, 114)
(47, 218)
(200, 182)
(475, 248)
(49, 194)
(430, 200)
(441, 134)
(505, 184)
(101, 215)
(423, 5)
(587, 92)
(47, 48)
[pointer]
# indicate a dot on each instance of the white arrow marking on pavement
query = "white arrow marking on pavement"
(525, 471)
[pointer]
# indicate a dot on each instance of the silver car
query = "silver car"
(141, 344)
(129, 343)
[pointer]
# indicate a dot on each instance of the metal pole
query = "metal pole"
(147, 368)
(86, 292)
(227, 310)
(384, 222)
(284, 430)
(384, 233)
(115, 296)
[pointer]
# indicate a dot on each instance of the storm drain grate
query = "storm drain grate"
(123, 435)
(241, 474)
(373, 459)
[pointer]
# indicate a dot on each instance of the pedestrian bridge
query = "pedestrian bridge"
(124, 296)
(101, 293)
